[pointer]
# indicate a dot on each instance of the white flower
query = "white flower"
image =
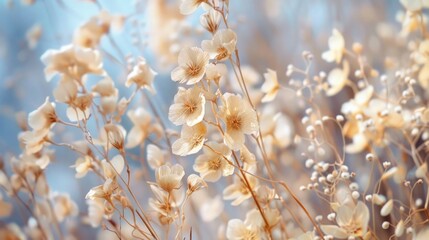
(187, 7)
(82, 166)
(169, 178)
(142, 75)
(80, 108)
(222, 45)
(192, 65)
(114, 167)
(352, 221)
(211, 20)
(359, 102)
(188, 107)
(72, 61)
(155, 156)
(215, 72)
(66, 90)
(64, 206)
(141, 129)
(239, 191)
(239, 230)
(191, 140)
(43, 117)
(422, 234)
(213, 163)
(271, 86)
(337, 79)
(336, 47)
(95, 212)
(240, 119)
(195, 183)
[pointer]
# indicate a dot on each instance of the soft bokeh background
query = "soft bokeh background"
(271, 34)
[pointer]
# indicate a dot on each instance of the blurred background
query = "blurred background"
(271, 34)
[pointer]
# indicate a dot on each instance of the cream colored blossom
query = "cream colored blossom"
(113, 167)
(246, 156)
(105, 87)
(80, 108)
(239, 118)
(359, 102)
(96, 212)
(169, 178)
(72, 61)
(188, 107)
(195, 183)
(214, 162)
(222, 45)
(211, 20)
(337, 79)
(115, 135)
(141, 129)
(82, 166)
(336, 47)
(216, 72)
(271, 215)
(191, 140)
(165, 203)
(43, 117)
(352, 221)
(34, 141)
(63, 206)
(155, 156)
(142, 75)
(90, 33)
(187, 7)
(239, 230)
(108, 95)
(192, 65)
(239, 191)
(271, 86)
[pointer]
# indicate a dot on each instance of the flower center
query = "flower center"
(234, 122)
(215, 164)
(190, 106)
(221, 53)
(193, 70)
(196, 140)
